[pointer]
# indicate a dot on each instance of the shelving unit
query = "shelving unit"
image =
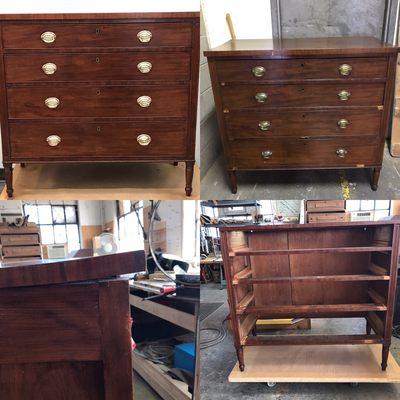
(332, 270)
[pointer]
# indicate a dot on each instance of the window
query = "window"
(381, 208)
(58, 223)
(130, 225)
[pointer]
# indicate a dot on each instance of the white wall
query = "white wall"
(251, 19)
(59, 6)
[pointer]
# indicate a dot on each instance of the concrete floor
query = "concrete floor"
(142, 390)
(315, 184)
(218, 361)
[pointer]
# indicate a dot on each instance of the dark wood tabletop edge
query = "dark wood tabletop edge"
(227, 48)
(99, 16)
(393, 221)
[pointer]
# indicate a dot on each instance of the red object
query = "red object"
(168, 289)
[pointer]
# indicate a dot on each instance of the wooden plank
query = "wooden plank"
(329, 278)
(308, 310)
(115, 325)
(159, 380)
(364, 249)
(375, 322)
(243, 274)
(177, 317)
(249, 298)
(272, 340)
(45, 272)
(336, 363)
(376, 297)
(375, 269)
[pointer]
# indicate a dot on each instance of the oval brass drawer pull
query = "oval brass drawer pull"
(53, 140)
(144, 101)
(345, 69)
(261, 97)
(144, 36)
(52, 102)
(49, 68)
(343, 123)
(344, 95)
(266, 154)
(264, 125)
(341, 153)
(144, 140)
(258, 71)
(48, 37)
(145, 67)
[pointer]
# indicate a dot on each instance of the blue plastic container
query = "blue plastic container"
(185, 357)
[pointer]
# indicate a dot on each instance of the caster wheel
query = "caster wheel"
(354, 384)
(271, 384)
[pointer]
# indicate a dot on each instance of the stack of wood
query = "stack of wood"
(20, 243)
(320, 211)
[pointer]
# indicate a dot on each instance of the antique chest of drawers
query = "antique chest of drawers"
(99, 88)
(303, 103)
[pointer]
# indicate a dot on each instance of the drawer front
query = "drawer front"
(21, 251)
(97, 101)
(9, 240)
(97, 35)
(326, 217)
(344, 122)
(325, 205)
(242, 96)
(143, 66)
(116, 140)
(304, 153)
(301, 69)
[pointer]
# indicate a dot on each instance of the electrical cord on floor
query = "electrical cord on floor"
(157, 352)
(396, 331)
(221, 335)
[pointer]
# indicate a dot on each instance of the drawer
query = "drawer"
(305, 153)
(98, 101)
(301, 69)
(325, 205)
(114, 140)
(21, 251)
(120, 35)
(309, 95)
(242, 125)
(326, 217)
(10, 240)
(98, 67)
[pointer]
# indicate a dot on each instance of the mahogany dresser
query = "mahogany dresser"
(303, 103)
(99, 88)
(66, 328)
(331, 270)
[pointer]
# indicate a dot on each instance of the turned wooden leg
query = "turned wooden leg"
(385, 355)
(189, 177)
(233, 179)
(8, 171)
(240, 356)
(23, 165)
(368, 328)
(375, 178)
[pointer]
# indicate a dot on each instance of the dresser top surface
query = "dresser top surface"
(258, 228)
(301, 47)
(49, 272)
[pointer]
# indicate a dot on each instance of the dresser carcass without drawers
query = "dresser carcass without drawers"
(99, 88)
(303, 103)
(325, 270)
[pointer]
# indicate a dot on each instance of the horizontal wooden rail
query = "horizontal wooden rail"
(309, 310)
(329, 278)
(244, 273)
(365, 249)
(244, 303)
(310, 340)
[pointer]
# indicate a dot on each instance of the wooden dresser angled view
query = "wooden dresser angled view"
(303, 103)
(99, 88)
(323, 270)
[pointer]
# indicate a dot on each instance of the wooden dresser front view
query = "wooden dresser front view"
(99, 88)
(303, 103)
(335, 270)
